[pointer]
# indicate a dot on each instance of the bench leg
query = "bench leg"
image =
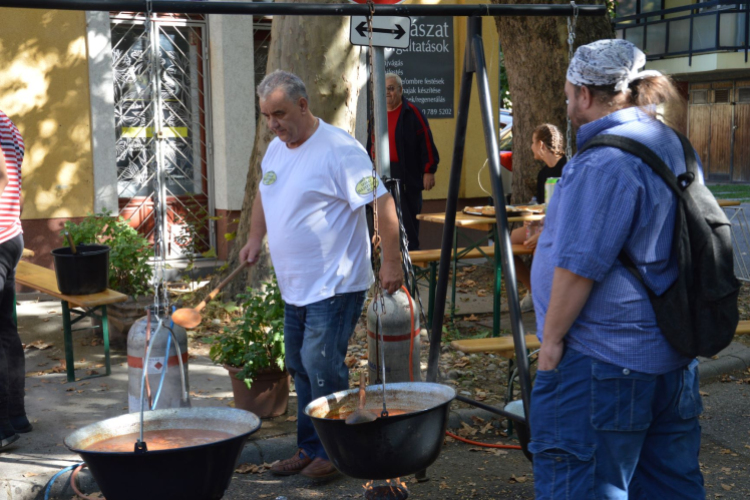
(431, 293)
(496, 302)
(105, 336)
(68, 337)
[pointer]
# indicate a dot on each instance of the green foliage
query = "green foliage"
(255, 338)
(129, 271)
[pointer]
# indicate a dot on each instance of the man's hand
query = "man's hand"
(550, 354)
(391, 278)
(250, 251)
(429, 181)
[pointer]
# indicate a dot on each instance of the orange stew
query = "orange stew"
(166, 439)
(341, 415)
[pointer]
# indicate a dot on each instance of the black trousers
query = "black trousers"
(411, 206)
(12, 365)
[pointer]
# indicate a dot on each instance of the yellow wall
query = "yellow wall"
(443, 129)
(44, 89)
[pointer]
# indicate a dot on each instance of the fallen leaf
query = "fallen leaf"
(481, 292)
(726, 487)
(30, 474)
(39, 344)
(472, 318)
(291, 419)
(350, 361)
(704, 394)
(246, 468)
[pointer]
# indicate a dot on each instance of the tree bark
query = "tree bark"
(316, 49)
(536, 61)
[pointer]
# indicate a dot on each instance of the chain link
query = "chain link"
(571, 41)
(378, 302)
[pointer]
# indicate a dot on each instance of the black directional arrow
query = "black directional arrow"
(362, 30)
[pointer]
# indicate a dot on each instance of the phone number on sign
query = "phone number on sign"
(438, 111)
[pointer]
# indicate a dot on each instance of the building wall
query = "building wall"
(44, 88)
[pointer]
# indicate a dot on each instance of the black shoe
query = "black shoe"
(21, 424)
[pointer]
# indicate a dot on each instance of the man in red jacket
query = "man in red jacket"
(414, 157)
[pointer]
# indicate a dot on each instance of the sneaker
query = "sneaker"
(527, 303)
(8, 440)
(320, 468)
(292, 466)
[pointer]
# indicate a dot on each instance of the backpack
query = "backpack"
(698, 314)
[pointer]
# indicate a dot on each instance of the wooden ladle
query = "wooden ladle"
(188, 317)
(70, 242)
(360, 415)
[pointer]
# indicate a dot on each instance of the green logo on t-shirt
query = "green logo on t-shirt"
(365, 186)
(269, 178)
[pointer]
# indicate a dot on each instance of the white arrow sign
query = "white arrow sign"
(387, 31)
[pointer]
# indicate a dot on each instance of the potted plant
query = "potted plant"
(252, 350)
(129, 269)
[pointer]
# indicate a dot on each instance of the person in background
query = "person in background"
(414, 157)
(13, 420)
(316, 182)
(548, 145)
(614, 408)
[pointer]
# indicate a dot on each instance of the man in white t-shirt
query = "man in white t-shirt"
(316, 182)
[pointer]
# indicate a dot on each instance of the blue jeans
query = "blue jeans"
(602, 432)
(316, 337)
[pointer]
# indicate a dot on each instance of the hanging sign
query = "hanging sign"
(387, 31)
(426, 65)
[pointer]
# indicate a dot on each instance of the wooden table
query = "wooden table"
(45, 280)
(729, 203)
(479, 223)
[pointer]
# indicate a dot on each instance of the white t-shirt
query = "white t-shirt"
(313, 198)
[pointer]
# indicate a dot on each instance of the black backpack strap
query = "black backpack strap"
(651, 159)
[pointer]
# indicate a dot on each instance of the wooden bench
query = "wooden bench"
(743, 328)
(428, 261)
(45, 280)
(502, 346)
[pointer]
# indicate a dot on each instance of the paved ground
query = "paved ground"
(462, 471)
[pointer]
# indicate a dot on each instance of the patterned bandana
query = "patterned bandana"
(608, 62)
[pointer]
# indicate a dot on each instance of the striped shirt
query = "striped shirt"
(11, 144)
(608, 200)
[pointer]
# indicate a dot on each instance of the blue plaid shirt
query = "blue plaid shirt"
(605, 201)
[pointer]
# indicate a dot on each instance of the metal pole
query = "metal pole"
(501, 217)
(270, 9)
(380, 130)
(462, 119)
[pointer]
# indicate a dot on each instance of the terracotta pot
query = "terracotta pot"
(267, 397)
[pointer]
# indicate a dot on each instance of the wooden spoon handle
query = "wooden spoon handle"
(70, 242)
(216, 290)
(362, 394)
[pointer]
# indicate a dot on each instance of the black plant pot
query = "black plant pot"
(82, 273)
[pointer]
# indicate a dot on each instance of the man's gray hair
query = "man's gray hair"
(291, 84)
(395, 77)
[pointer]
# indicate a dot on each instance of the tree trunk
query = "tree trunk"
(316, 49)
(536, 61)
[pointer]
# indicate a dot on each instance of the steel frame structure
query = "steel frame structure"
(474, 64)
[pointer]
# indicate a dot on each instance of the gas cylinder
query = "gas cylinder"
(170, 391)
(395, 326)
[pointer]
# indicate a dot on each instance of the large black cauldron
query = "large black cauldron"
(388, 447)
(191, 473)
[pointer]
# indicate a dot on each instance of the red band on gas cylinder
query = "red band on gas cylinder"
(394, 338)
(135, 362)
